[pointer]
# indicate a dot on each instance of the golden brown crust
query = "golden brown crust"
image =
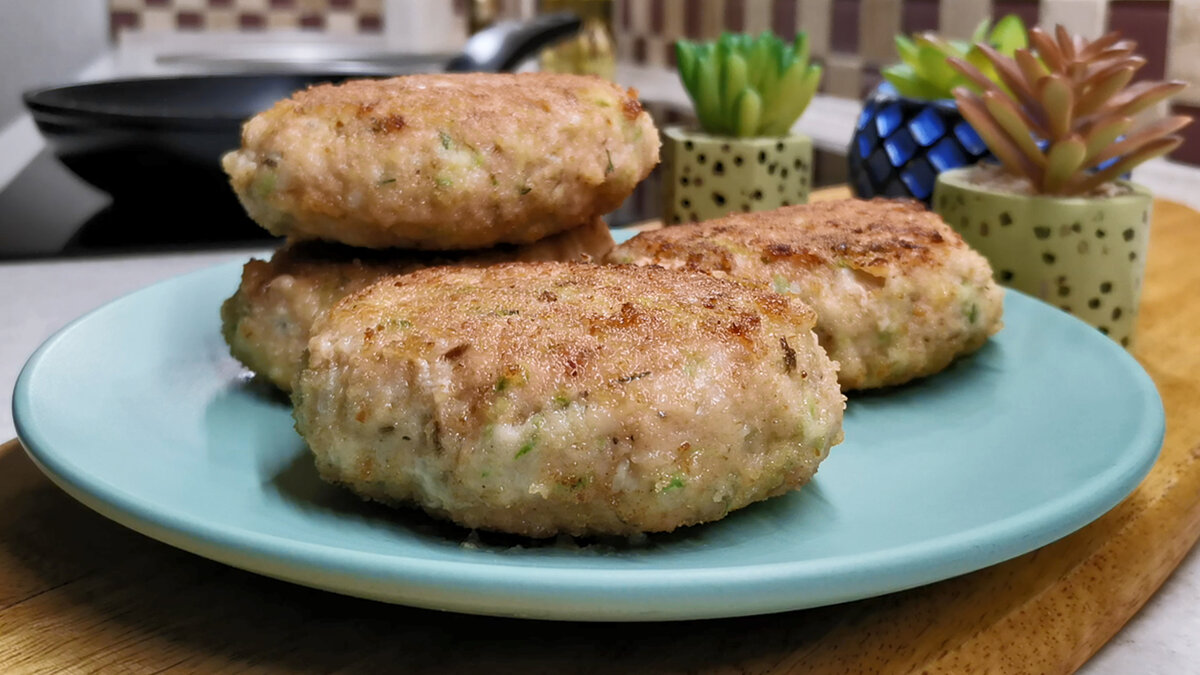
(267, 321)
(898, 293)
(871, 236)
(538, 398)
(454, 161)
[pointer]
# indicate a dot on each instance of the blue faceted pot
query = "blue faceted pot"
(901, 144)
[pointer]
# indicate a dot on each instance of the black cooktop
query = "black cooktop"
(45, 211)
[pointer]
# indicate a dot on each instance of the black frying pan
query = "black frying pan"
(159, 141)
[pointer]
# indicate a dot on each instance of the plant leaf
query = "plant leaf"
(1161, 146)
(973, 110)
(909, 83)
(800, 48)
(1030, 66)
(733, 83)
(1047, 49)
(1102, 134)
(1058, 103)
(1011, 76)
(1063, 161)
(981, 31)
(1009, 34)
(1142, 95)
(707, 98)
(685, 57)
(907, 49)
(1101, 89)
(1009, 118)
(747, 113)
(1143, 136)
(1101, 44)
(1066, 43)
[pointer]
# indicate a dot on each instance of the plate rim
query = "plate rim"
(918, 563)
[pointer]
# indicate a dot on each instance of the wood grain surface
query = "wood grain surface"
(78, 592)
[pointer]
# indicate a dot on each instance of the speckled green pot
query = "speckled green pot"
(707, 176)
(1084, 255)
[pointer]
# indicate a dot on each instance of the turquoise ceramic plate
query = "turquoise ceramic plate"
(138, 411)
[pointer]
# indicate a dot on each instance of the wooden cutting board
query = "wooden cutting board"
(80, 592)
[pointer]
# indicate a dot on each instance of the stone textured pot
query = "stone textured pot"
(1085, 255)
(900, 145)
(706, 177)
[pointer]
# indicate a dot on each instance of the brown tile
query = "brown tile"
(189, 20)
(1189, 152)
(783, 18)
(224, 4)
(657, 12)
(639, 50)
(341, 4)
(370, 23)
(624, 12)
(870, 79)
(1026, 9)
(735, 15)
(669, 54)
(120, 21)
(283, 4)
(845, 26)
(157, 3)
(312, 21)
(919, 16)
(1147, 22)
(693, 19)
(249, 21)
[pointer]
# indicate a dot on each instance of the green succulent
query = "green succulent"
(924, 71)
(743, 86)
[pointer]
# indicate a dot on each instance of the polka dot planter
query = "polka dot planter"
(706, 177)
(1083, 255)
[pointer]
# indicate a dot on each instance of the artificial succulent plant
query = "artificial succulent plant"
(744, 86)
(924, 72)
(1062, 114)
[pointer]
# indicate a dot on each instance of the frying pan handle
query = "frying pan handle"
(506, 44)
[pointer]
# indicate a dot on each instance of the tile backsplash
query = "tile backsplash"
(341, 17)
(851, 38)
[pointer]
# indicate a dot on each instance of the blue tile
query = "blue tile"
(946, 155)
(864, 117)
(900, 147)
(927, 127)
(970, 139)
(878, 166)
(889, 119)
(864, 145)
(919, 178)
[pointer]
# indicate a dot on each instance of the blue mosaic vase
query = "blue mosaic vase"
(901, 144)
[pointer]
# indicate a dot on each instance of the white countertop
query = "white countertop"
(40, 297)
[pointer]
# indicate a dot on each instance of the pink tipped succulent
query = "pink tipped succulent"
(1062, 114)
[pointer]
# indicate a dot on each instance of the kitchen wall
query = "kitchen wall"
(338, 17)
(38, 48)
(852, 38)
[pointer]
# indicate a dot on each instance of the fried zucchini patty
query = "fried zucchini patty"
(440, 162)
(268, 319)
(898, 294)
(546, 398)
